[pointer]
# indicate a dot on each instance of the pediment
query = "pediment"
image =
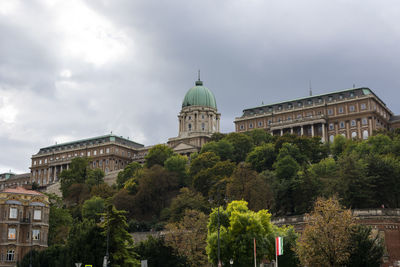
(183, 146)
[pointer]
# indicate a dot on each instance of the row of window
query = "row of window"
(82, 154)
(12, 234)
(202, 117)
(365, 135)
(13, 214)
(203, 127)
(310, 101)
(353, 123)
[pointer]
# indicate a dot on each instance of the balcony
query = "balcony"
(25, 220)
(298, 122)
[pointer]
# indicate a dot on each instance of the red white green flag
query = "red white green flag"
(279, 245)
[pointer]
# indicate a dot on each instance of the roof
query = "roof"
(110, 137)
(364, 90)
(199, 95)
(21, 190)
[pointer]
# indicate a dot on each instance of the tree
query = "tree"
(367, 249)
(355, 184)
(60, 221)
(208, 180)
(158, 253)
(102, 190)
(246, 184)
(186, 200)
(157, 155)
(203, 161)
(86, 243)
(326, 239)
(260, 137)
(92, 208)
(188, 237)
(121, 249)
(131, 170)
(76, 174)
(178, 164)
(156, 188)
(262, 157)
(242, 144)
(222, 148)
(95, 177)
(238, 227)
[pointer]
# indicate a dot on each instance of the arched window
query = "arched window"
(331, 137)
(203, 126)
(365, 134)
(353, 135)
(190, 126)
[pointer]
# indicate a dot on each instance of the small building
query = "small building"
(24, 223)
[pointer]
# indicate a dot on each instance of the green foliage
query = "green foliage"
(262, 157)
(157, 253)
(120, 241)
(246, 184)
(76, 174)
(60, 221)
(178, 165)
(260, 136)
(338, 146)
(222, 148)
(203, 161)
(130, 171)
(239, 226)
(102, 190)
(188, 237)
(367, 249)
(95, 177)
(79, 173)
(286, 167)
(207, 180)
(157, 155)
(187, 199)
(52, 256)
(86, 243)
(242, 144)
(92, 208)
(156, 188)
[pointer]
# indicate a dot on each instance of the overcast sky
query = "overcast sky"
(77, 69)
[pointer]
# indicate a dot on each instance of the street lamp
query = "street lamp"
(218, 230)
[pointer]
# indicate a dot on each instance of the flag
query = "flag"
(279, 245)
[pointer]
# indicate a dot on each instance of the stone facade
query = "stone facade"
(384, 222)
(109, 153)
(198, 120)
(8, 180)
(353, 113)
(24, 223)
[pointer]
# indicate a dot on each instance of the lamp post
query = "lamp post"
(218, 231)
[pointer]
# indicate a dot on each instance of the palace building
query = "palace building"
(108, 152)
(198, 120)
(353, 113)
(24, 223)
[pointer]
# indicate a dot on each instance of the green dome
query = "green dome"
(199, 96)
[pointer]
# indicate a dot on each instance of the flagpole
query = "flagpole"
(276, 254)
(255, 259)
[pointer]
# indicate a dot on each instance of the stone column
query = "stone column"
(312, 130)
(369, 126)
(291, 130)
(281, 132)
(301, 130)
(323, 133)
(48, 175)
